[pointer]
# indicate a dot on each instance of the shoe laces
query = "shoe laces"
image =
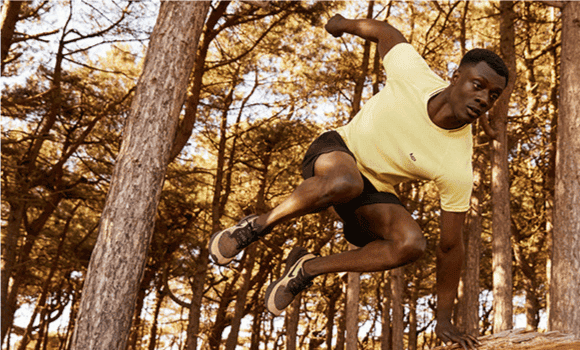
(245, 236)
(298, 284)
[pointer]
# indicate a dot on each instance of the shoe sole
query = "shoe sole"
(289, 273)
(214, 250)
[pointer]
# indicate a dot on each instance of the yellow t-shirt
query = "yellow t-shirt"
(394, 140)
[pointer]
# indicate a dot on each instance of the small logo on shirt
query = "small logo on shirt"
(412, 157)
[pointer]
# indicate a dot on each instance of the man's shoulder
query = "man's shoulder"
(404, 63)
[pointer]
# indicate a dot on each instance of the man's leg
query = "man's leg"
(400, 242)
(336, 180)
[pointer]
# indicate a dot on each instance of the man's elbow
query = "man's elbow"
(388, 37)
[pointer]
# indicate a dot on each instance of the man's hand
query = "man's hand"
(380, 32)
(334, 26)
(449, 333)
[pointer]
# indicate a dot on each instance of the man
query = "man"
(416, 127)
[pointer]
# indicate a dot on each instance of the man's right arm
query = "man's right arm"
(382, 33)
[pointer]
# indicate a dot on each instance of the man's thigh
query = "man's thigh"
(386, 221)
(337, 164)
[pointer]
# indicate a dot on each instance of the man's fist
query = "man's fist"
(334, 26)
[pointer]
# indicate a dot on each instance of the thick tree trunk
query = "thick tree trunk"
(127, 223)
(565, 286)
(501, 245)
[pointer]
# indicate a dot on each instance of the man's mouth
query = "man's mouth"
(474, 113)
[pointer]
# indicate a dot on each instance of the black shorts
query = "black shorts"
(354, 233)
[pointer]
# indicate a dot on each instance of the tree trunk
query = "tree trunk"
(360, 81)
(222, 320)
(9, 250)
(501, 245)
(550, 178)
(256, 329)
(196, 300)
(10, 12)
(292, 318)
(386, 327)
(250, 258)
(341, 327)
(153, 333)
(331, 313)
(398, 330)
(127, 222)
(352, 301)
(565, 289)
(468, 296)
(412, 343)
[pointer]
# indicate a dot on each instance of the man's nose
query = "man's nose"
(483, 99)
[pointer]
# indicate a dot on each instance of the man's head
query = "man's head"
(477, 84)
(473, 57)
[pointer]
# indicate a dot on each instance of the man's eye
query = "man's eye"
(476, 85)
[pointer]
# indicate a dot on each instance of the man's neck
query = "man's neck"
(440, 111)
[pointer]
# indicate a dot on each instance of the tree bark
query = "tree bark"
(414, 295)
(501, 245)
(386, 326)
(292, 318)
(352, 301)
(360, 81)
(398, 330)
(335, 294)
(10, 12)
(565, 289)
(127, 222)
(550, 178)
(9, 250)
(249, 261)
(468, 296)
(196, 300)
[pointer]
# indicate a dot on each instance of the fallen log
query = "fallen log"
(520, 339)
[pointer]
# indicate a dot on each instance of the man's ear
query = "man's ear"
(455, 76)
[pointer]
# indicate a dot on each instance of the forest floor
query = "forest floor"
(520, 339)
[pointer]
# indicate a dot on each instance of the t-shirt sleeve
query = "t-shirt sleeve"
(404, 62)
(455, 190)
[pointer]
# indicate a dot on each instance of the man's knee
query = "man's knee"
(411, 244)
(414, 244)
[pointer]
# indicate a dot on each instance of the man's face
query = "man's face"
(475, 90)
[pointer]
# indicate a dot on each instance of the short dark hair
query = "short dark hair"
(473, 57)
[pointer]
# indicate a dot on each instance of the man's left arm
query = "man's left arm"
(450, 253)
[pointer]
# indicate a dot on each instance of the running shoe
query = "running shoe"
(225, 245)
(294, 280)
